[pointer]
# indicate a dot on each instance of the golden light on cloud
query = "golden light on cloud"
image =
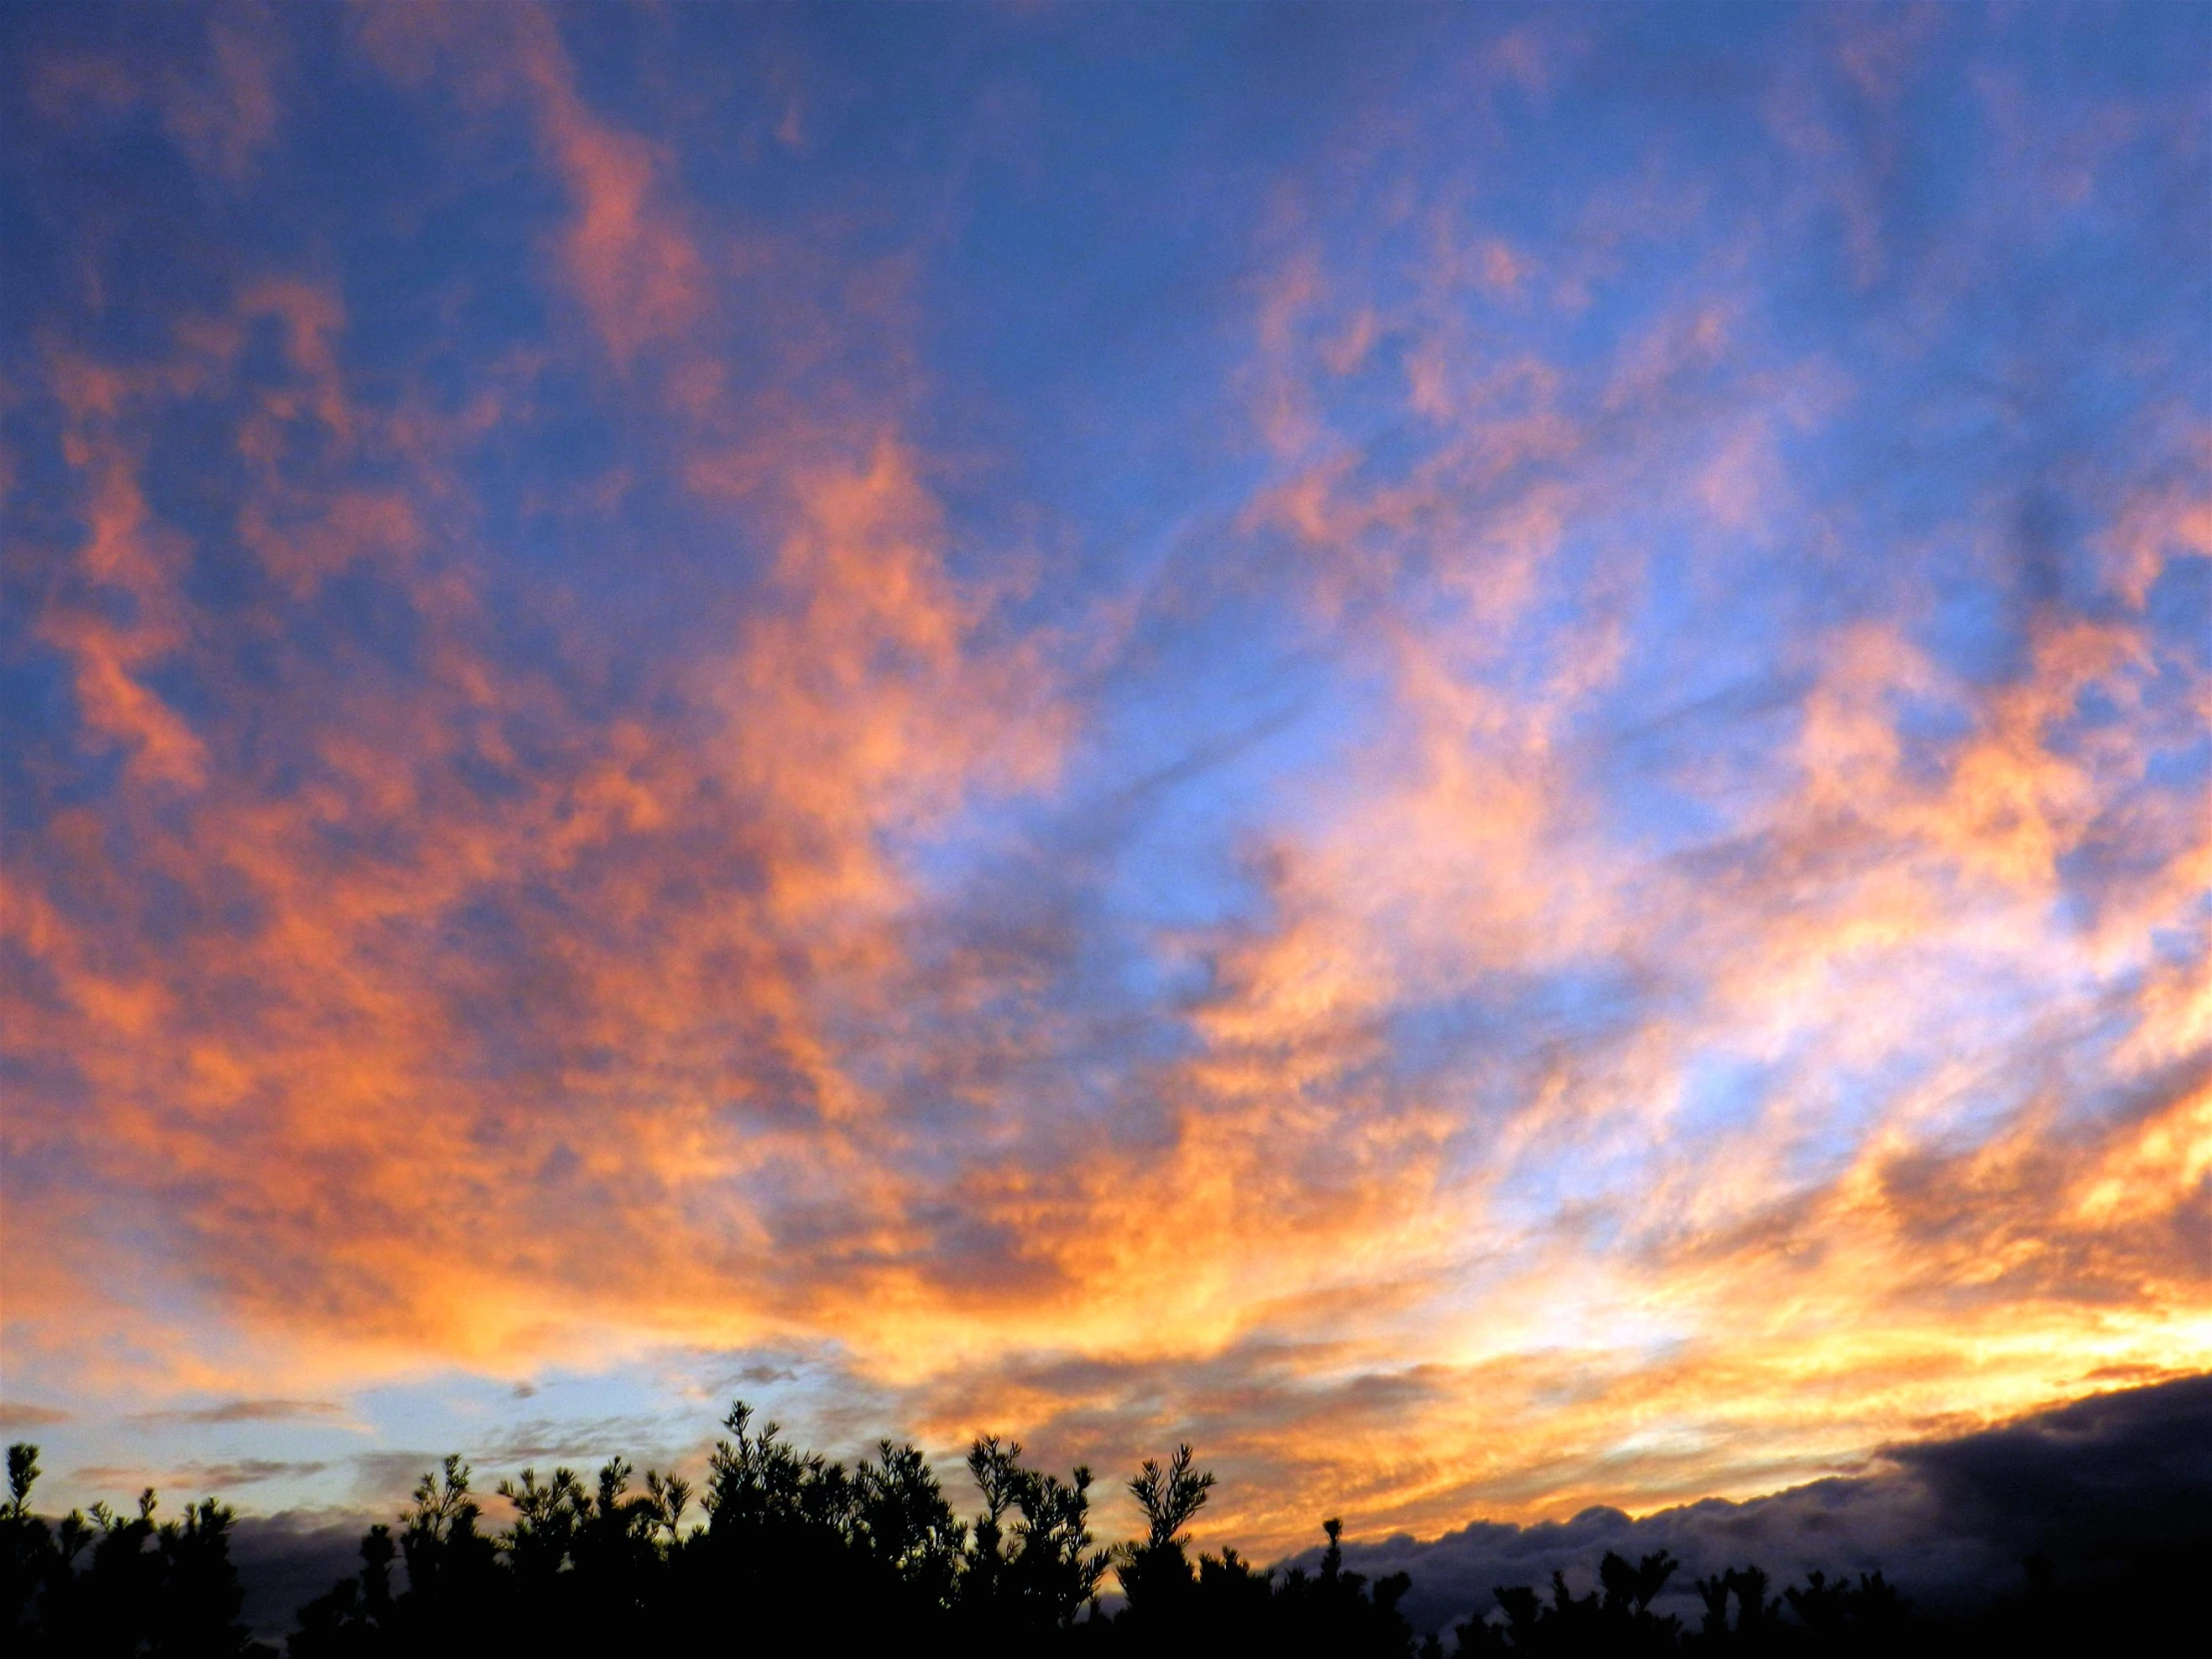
(1496, 839)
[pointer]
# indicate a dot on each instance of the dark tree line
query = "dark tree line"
(785, 1552)
(113, 1583)
(1739, 1616)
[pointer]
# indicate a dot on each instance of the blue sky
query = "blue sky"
(1424, 741)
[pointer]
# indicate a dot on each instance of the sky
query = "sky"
(1465, 750)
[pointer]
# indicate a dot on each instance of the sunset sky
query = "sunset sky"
(1468, 751)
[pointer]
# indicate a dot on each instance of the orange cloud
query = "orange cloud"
(640, 276)
(1659, 1037)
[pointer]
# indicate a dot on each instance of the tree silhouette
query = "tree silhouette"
(165, 1589)
(791, 1552)
(1155, 1571)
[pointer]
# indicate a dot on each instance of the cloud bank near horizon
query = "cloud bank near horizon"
(2103, 1484)
(1467, 752)
(2106, 1483)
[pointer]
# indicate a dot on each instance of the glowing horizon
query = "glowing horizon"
(1464, 750)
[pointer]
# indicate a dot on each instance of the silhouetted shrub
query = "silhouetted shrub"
(165, 1589)
(794, 1553)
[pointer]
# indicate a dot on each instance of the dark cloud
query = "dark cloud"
(286, 1560)
(243, 1472)
(763, 1374)
(2107, 1479)
(2113, 1474)
(18, 1413)
(245, 1411)
(218, 1476)
(547, 1439)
